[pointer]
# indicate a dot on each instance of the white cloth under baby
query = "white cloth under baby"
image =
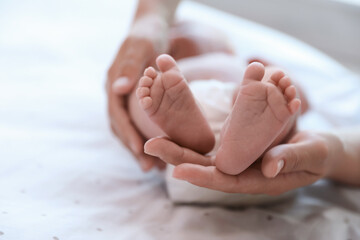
(215, 99)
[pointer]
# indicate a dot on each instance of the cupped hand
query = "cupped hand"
(300, 162)
(135, 54)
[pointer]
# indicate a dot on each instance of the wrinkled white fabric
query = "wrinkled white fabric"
(215, 100)
(63, 175)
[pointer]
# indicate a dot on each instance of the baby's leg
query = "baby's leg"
(189, 38)
(220, 66)
(168, 102)
(203, 52)
(263, 109)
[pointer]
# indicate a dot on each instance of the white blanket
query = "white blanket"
(63, 175)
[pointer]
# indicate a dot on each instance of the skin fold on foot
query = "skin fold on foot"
(167, 100)
(262, 110)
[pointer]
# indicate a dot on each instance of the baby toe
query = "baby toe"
(146, 81)
(150, 72)
(165, 62)
(290, 92)
(294, 105)
(276, 76)
(142, 92)
(254, 72)
(284, 83)
(146, 102)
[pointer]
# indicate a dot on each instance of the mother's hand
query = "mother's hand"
(300, 162)
(134, 55)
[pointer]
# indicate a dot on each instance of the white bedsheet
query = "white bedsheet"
(64, 176)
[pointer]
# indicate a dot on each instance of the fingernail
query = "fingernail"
(120, 83)
(148, 149)
(280, 165)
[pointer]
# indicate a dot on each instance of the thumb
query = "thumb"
(308, 154)
(174, 154)
(129, 75)
(122, 85)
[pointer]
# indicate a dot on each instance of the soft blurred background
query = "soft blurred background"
(333, 26)
(63, 175)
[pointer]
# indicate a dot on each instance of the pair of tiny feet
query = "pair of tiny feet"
(263, 109)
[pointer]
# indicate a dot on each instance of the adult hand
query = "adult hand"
(137, 52)
(298, 163)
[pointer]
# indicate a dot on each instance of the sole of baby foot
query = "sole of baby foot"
(261, 111)
(167, 99)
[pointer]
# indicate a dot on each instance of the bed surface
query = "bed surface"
(63, 175)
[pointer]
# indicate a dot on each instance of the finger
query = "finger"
(129, 65)
(121, 86)
(114, 130)
(134, 142)
(251, 181)
(160, 164)
(307, 154)
(123, 128)
(172, 153)
(156, 162)
(129, 74)
(206, 176)
(146, 162)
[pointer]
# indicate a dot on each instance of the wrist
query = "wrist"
(335, 154)
(152, 28)
(345, 159)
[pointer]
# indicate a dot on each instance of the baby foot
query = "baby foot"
(168, 101)
(262, 110)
